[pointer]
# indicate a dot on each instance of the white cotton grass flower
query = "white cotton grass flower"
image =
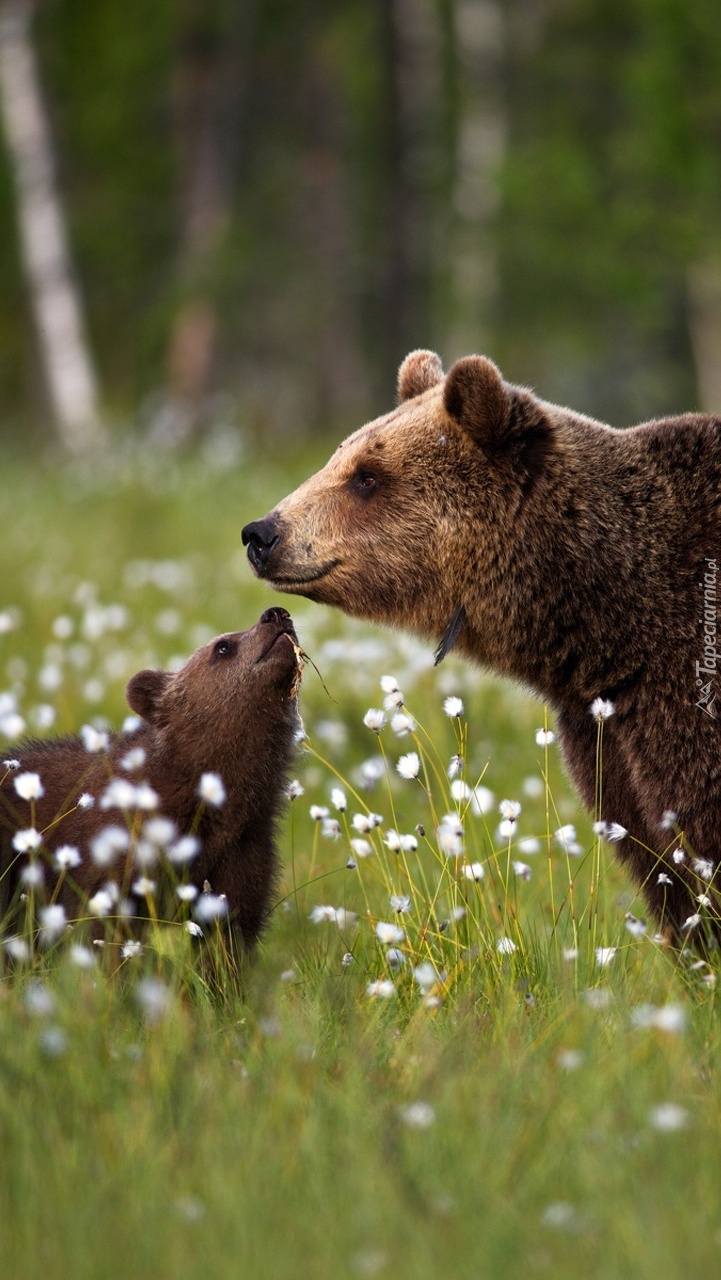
(455, 767)
(211, 789)
(53, 922)
(11, 765)
(32, 875)
(193, 929)
(453, 707)
(545, 737)
(691, 922)
(28, 786)
(669, 1018)
(521, 870)
(94, 740)
(131, 949)
(144, 887)
(610, 831)
(319, 812)
(108, 844)
(402, 724)
(86, 801)
(153, 999)
(81, 956)
(395, 959)
(409, 766)
(339, 799)
(17, 948)
(146, 799)
(389, 933)
(400, 902)
(102, 902)
(602, 709)
(529, 845)
(361, 848)
(186, 892)
(703, 868)
(506, 829)
(133, 760)
(393, 701)
(382, 989)
(160, 831)
(450, 836)
(27, 841)
(184, 850)
(570, 1059)
(482, 801)
(322, 915)
(678, 856)
(473, 871)
(295, 790)
(12, 725)
(426, 976)
(418, 1115)
(669, 1117)
(39, 1000)
(389, 684)
(119, 794)
(506, 946)
(636, 928)
(66, 857)
(510, 810)
(662, 878)
(210, 906)
(374, 719)
(604, 956)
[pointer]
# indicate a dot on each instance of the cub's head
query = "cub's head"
(232, 706)
(413, 506)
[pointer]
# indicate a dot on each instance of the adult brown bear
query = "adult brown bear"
(579, 559)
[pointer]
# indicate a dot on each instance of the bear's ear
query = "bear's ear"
(144, 692)
(476, 396)
(420, 371)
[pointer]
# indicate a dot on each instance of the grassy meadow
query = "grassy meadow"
(464, 1052)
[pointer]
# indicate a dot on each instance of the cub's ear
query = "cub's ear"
(144, 692)
(420, 371)
(476, 396)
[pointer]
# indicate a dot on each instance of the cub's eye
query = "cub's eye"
(222, 649)
(365, 483)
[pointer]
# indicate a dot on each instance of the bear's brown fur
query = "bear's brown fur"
(578, 559)
(231, 710)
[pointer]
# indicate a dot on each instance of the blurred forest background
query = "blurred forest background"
(267, 203)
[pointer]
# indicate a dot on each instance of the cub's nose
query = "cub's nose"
(260, 537)
(280, 616)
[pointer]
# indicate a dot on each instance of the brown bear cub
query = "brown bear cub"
(578, 559)
(231, 713)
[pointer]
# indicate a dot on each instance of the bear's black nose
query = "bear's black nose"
(281, 616)
(260, 537)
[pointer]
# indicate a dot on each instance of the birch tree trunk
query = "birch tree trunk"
(480, 150)
(704, 295)
(54, 295)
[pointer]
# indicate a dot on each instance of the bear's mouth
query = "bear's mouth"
(286, 580)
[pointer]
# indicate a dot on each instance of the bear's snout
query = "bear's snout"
(260, 537)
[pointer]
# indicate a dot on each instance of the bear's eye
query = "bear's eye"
(365, 482)
(222, 649)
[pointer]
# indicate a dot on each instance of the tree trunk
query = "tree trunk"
(54, 295)
(704, 294)
(480, 147)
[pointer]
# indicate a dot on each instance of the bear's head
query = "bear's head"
(231, 706)
(414, 506)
